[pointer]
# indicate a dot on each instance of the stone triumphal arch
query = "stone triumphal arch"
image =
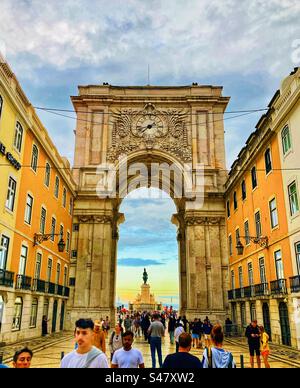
(127, 137)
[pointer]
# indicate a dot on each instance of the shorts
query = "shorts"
(265, 353)
(254, 350)
(195, 336)
(207, 337)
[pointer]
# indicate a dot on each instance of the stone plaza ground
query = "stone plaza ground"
(48, 351)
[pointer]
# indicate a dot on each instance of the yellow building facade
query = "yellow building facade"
(263, 268)
(36, 204)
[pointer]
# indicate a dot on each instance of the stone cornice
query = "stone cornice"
(202, 220)
(91, 219)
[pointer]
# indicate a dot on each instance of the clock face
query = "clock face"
(150, 126)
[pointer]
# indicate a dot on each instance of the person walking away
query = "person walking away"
(128, 323)
(106, 326)
(156, 331)
(185, 323)
(115, 341)
(99, 337)
(86, 355)
(127, 357)
(196, 329)
(217, 357)
(207, 328)
(183, 359)
(179, 330)
(228, 327)
(253, 335)
(264, 346)
(22, 359)
(171, 329)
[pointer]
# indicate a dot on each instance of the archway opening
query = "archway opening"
(148, 240)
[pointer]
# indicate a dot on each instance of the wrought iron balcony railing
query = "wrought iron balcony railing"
(66, 292)
(23, 282)
(261, 289)
(278, 287)
(6, 278)
(51, 288)
(295, 283)
(39, 285)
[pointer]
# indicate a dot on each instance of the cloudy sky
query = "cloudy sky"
(246, 46)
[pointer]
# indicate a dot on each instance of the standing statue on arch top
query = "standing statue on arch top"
(145, 276)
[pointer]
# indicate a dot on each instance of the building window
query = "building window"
(241, 280)
(258, 224)
(250, 274)
(232, 280)
(57, 273)
(286, 140)
(71, 206)
(74, 254)
(268, 161)
(17, 317)
(66, 277)
(262, 270)
(47, 174)
(244, 191)
(18, 137)
(61, 232)
(297, 247)
(28, 210)
(11, 194)
(38, 266)
(273, 213)
(230, 245)
(254, 178)
(33, 313)
(46, 308)
(56, 189)
(1, 105)
(243, 315)
(64, 199)
(228, 208)
(75, 227)
(279, 265)
(293, 196)
(72, 282)
(43, 220)
(235, 204)
(4, 252)
(247, 232)
(34, 158)
(253, 312)
(23, 260)
(237, 236)
(68, 242)
(53, 227)
(49, 270)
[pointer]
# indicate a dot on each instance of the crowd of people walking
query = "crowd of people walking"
(91, 337)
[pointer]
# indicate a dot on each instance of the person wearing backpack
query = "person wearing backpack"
(86, 355)
(216, 356)
(115, 341)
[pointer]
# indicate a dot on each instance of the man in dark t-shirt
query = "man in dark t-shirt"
(183, 359)
(253, 335)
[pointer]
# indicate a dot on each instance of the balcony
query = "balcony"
(261, 289)
(278, 287)
(66, 292)
(51, 288)
(23, 282)
(59, 290)
(6, 278)
(39, 285)
(249, 292)
(295, 283)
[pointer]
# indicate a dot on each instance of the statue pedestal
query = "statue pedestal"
(145, 301)
(145, 294)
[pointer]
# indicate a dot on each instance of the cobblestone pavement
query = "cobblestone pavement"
(47, 351)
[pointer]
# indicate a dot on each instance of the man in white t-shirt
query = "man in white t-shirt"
(128, 357)
(86, 355)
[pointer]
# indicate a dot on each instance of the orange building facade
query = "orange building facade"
(261, 262)
(35, 270)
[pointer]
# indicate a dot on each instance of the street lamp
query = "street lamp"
(39, 238)
(261, 241)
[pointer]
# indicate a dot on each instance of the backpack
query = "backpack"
(210, 359)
